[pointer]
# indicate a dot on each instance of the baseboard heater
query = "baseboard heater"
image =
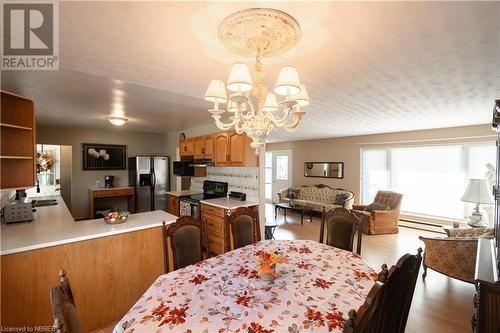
(419, 225)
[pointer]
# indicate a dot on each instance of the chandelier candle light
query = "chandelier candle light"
(258, 32)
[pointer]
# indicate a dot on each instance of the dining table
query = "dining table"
(312, 292)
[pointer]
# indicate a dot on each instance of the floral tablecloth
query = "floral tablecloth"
(313, 292)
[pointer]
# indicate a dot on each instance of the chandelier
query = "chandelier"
(251, 108)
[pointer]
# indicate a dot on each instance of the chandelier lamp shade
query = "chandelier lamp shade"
(251, 107)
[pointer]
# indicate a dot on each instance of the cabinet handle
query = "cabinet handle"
(227, 158)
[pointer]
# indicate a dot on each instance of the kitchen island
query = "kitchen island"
(102, 261)
(215, 213)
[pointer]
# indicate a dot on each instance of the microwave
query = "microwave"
(183, 168)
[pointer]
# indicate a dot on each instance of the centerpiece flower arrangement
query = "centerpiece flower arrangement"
(266, 264)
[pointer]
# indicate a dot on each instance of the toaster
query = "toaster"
(18, 211)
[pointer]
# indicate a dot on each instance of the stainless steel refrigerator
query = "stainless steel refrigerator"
(150, 177)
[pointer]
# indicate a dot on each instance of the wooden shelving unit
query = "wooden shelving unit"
(17, 142)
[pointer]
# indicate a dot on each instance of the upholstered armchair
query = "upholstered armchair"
(379, 221)
(454, 256)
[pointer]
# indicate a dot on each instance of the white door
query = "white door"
(282, 172)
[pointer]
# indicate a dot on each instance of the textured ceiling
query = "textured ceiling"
(370, 67)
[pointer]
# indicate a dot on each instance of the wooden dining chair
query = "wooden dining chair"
(66, 318)
(341, 226)
(244, 227)
(183, 242)
(367, 318)
(400, 284)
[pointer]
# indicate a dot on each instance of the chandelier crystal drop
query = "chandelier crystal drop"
(251, 108)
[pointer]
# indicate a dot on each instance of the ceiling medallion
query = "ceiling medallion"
(258, 32)
(269, 30)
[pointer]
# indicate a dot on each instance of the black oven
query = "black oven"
(183, 168)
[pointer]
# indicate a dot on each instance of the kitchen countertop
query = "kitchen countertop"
(228, 203)
(54, 225)
(181, 193)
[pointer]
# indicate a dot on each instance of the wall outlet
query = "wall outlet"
(98, 183)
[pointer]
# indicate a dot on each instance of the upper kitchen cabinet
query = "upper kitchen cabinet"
(204, 147)
(186, 147)
(221, 149)
(17, 144)
(232, 149)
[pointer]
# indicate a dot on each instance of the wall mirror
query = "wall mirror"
(324, 169)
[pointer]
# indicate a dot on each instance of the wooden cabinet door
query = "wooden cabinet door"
(236, 149)
(173, 205)
(199, 147)
(209, 146)
(186, 147)
(221, 149)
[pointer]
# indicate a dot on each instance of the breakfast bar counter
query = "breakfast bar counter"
(103, 262)
(54, 225)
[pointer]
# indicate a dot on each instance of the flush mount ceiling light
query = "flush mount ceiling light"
(258, 32)
(117, 120)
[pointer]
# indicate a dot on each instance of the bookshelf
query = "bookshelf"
(17, 142)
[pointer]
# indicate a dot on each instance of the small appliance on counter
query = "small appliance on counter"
(237, 196)
(108, 181)
(18, 211)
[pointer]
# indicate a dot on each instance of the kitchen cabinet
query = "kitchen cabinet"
(217, 224)
(173, 204)
(17, 142)
(217, 228)
(233, 149)
(186, 147)
(221, 149)
(226, 149)
(204, 147)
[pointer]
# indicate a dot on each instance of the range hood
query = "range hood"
(202, 163)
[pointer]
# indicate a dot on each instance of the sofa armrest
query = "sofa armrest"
(282, 193)
(359, 207)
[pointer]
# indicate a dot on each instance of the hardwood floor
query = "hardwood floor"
(440, 304)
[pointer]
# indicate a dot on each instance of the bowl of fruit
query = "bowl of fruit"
(116, 217)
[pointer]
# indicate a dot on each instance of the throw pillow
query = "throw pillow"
(376, 206)
(341, 198)
(293, 194)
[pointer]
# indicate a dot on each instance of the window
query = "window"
(282, 167)
(432, 178)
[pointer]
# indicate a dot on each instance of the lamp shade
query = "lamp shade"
(478, 191)
(271, 103)
(302, 98)
(216, 91)
(239, 78)
(288, 81)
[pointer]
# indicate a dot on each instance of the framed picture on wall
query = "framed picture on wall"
(104, 157)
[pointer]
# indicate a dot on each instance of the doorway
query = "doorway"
(53, 172)
(278, 173)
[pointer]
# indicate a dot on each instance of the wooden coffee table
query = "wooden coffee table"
(294, 207)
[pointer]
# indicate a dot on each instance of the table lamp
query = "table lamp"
(478, 192)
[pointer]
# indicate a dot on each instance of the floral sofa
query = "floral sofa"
(454, 256)
(317, 197)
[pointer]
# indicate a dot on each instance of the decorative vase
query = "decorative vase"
(269, 276)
